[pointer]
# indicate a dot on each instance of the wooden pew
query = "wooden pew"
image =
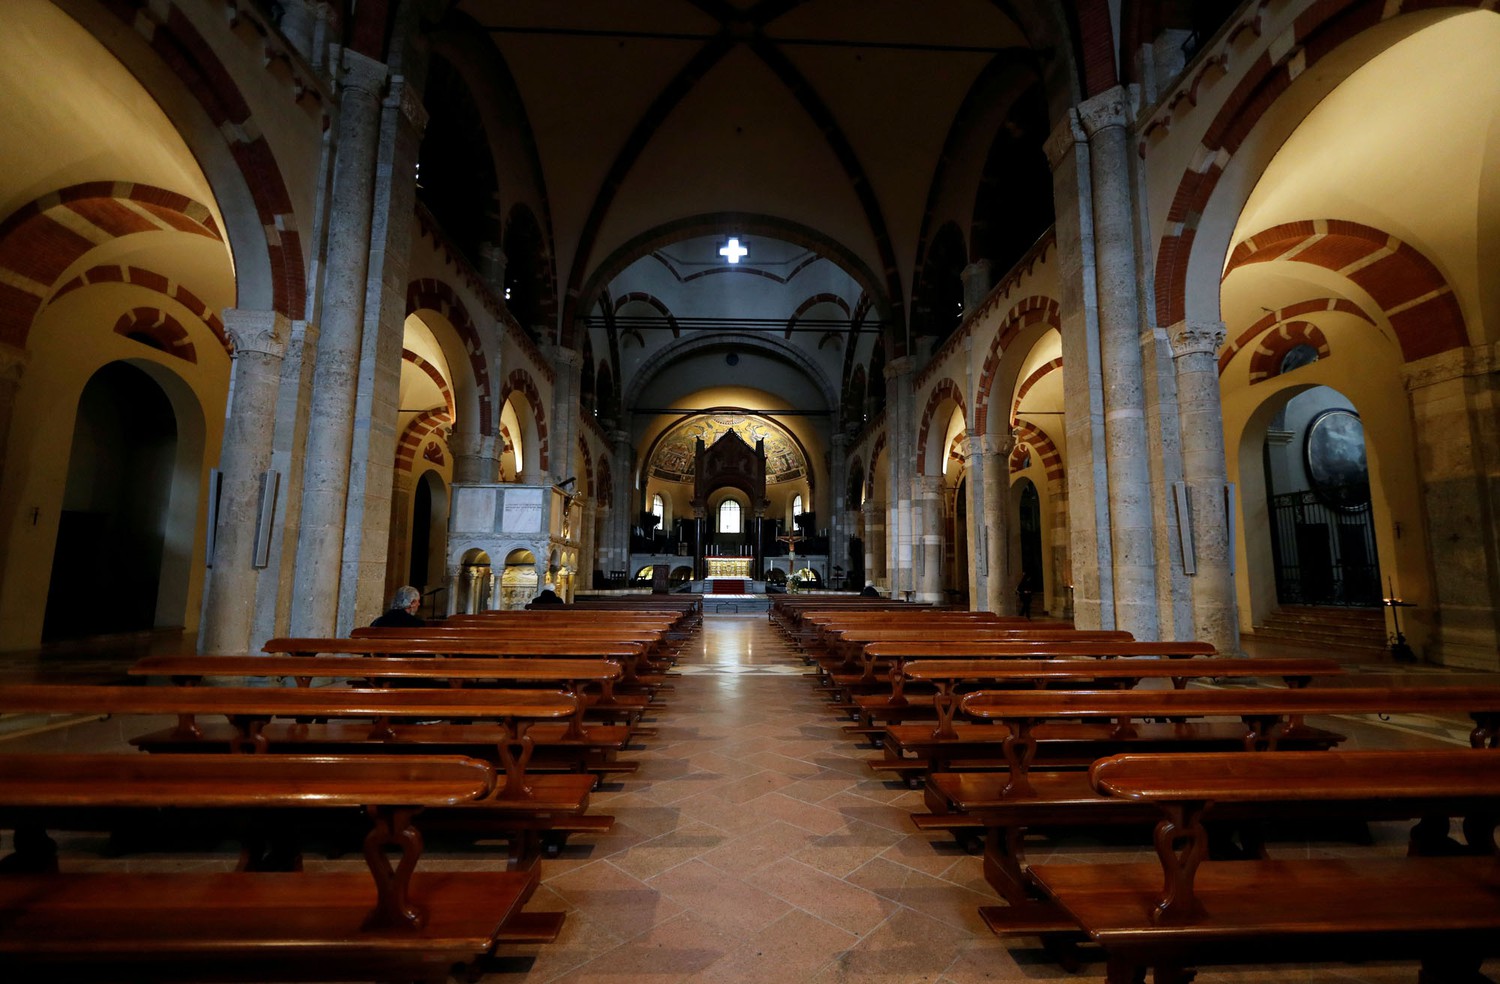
(576, 746)
(522, 807)
(1186, 911)
(1032, 792)
(945, 676)
(898, 652)
(396, 921)
(421, 642)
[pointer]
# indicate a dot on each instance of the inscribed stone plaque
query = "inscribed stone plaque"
(522, 512)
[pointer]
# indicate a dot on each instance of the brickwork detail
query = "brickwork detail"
(40, 240)
(1041, 372)
(1288, 313)
(1411, 291)
(1028, 311)
(139, 277)
(520, 382)
(434, 295)
(945, 392)
(164, 332)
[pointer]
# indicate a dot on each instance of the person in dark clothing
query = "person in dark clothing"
(1024, 589)
(548, 595)
(869, 591)
(403, 611)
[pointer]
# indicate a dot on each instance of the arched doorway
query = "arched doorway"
(1322, 537)
(1028, 536)
(429, 529)
(116, 508)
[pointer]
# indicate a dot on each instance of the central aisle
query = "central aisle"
(755, 845)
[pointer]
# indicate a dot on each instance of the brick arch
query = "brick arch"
(1265, 362)
(153, 281)
(1040, 373)
(587, 487)
(946, 389)
(811, 303)
(1027, 312)
(423, 424)
(43, 238)
(874, 461)
(1412, 293)
(1318, 31)
(856, 470)
(1319, 305)
(1052, 462)
(163, 329)
(604, 488)
(520, 381)
(432, 373)
(434, 295)
(653, 301)
(170, 33)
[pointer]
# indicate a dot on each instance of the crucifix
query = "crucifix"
(791, 539)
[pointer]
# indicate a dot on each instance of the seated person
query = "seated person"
(403, 611)
(548, 595)
(869, 591)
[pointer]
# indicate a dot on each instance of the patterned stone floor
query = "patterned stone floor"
(755, 845)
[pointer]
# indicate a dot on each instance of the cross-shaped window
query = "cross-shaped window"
(734, 252)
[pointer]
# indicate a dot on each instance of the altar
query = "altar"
(736, 567)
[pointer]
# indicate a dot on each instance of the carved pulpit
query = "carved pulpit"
(730, 462)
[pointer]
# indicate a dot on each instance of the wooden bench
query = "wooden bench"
(945, 677)
(574, 747)
(532, 810)
(398, 922)
(630, 654)
(1032, 792)
(1186, 911)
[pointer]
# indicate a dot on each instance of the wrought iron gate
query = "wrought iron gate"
(1324, 548)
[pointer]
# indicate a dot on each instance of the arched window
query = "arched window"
(659, 510)
(796, 506)
(729, 516)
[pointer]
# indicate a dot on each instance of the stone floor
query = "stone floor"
(755, 845)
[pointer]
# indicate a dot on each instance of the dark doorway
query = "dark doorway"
(1029, 523)
(115, 508)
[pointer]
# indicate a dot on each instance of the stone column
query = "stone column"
(367, 530)
(476, 458)
(304, 23)
(621, 513)
(901, 429)
(330, 439)
(260, 339)
(565, 410)
(1083, 390)
(1455, 404)
(838, 517)
(1195, 348)
(994, 457)
(497, 590)
(875, 555)
(1131, 526)
(929, 513)
(455, 591)
(977, 282)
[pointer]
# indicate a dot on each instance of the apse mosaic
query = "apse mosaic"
(673, 459)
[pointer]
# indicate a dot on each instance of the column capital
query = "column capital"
(900, 367)
(261, 332)
(1196, 337)
(1110, 108)
(472, 445)
(1064, 137)
(12, 363)
(404, 97)
(1476, 360)
(562, 356)
(361, 72)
